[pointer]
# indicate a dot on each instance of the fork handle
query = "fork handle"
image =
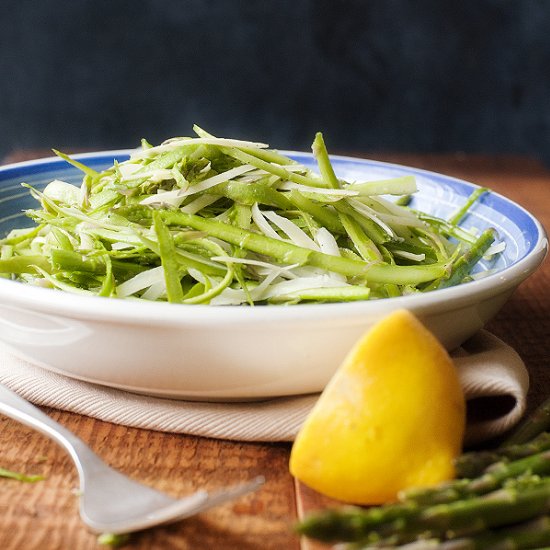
(18, 408)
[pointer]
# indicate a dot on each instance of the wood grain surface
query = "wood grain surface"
(44, 515)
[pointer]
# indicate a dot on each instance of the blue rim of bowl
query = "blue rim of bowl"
(143, 312)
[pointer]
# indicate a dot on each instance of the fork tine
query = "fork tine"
(180, 510)
(176, 511)
(230, 493)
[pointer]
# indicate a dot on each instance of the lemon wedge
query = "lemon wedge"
(391, 418)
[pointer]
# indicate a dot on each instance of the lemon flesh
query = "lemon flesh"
(391, 418)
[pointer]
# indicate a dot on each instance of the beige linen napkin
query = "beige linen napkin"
(490, 372)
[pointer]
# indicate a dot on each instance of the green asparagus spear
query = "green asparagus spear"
(531, 534)
(471, 464)
(492, 478)
(503, 507)
(527, 535)
(532, 426)
(351, 523)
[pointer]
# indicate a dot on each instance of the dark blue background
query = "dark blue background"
(379, 75)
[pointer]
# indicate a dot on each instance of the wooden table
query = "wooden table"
(44, 515)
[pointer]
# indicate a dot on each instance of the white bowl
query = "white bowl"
(237, 353)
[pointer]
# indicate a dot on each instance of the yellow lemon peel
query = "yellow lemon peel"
(391, 418)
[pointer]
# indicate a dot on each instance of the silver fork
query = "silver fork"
(110, 502)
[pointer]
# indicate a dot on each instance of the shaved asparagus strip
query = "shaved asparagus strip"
(199, 203)
(290, 185)
(86, 169)
(176, 143)
(328, 245)
(142, 280)
(24, 264)
(372, 215)
(295, 233)
(410, 255)
(403, 185)
(326, 294)
(366, 248)
(384, 219)
(262, 223)
(461, 212)
(249, 261)
(211, 292)
(167, 252)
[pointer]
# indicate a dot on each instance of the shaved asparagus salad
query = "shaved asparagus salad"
(207, 220)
